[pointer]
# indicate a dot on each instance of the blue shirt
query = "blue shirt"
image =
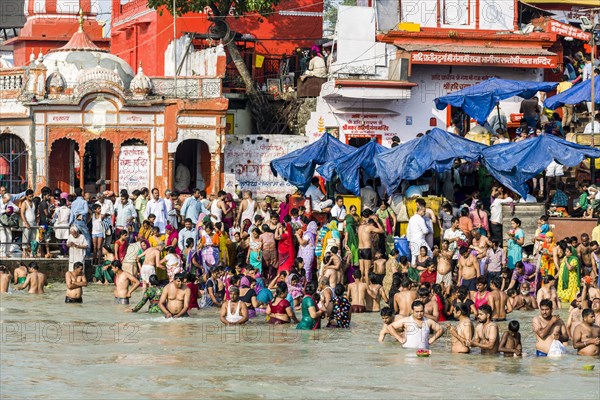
(184, 235)
(78, 207)
(124, 213)
(192, 208)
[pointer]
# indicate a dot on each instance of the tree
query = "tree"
(219, 10)
(330, 11)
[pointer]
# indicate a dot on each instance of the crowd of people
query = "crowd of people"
(319, 266)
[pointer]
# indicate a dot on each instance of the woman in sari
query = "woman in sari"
(254, 257)
(516, 239)
(285, 247)
(279, 310)
(319, 246)
(547, 266)
(569, 277)
(284, 208)
(209, 243)
(172, 238)
(332, 238)
(311, 315)
(229, 217)
(223, 237)
(351, 244)
(306, 251)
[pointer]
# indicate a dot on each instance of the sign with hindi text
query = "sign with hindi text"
(134, 167)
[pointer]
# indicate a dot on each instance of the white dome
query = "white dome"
(55, 83)
(140, 84)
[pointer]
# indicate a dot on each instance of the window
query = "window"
(13, 163)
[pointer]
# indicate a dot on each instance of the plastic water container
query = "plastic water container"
(401, 244)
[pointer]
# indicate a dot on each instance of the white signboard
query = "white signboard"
(134, 167)
(247, 163)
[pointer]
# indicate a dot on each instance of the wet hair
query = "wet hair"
(153, 280)
(116, 264)
(547, 279)
(511, 292)
(190, 277)
(281, 289)
(586, 312)
(357, 274)
(334, 249)
(76, 265)
(514, 325)
(486, 309)
(417, 303)
(497, 282)
(546, 303)
(374, 278)
(463, 250)
(386, 312)
(339, 290)
(462, 292)
(405, 283)
(463, 308)
(179, 276)
(481, 280)
(423, 292)
(34, 265)
(311, 288)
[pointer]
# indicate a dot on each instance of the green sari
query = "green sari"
(104, 275)
(352, 238)
(307, 322)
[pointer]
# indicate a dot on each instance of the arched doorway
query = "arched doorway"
(13, 163)
(97, 166)
(192, 166)
(64, 165)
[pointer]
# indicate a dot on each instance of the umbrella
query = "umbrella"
(298, 167)
(348, 167)
(436, 150)
(513, 164)
(479, 100)
(575, 95)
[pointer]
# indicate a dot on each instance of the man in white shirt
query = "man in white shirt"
(319, 203)
(77, 247)
(316, 67)
(496, 212)
(453, 235)
(338, 211)
(588, 127)
(368, 196)
(416, 232)
(157, 207)
(107, 210)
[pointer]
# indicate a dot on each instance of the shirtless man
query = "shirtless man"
(35, 280)
(333, 268)
(379, 266)
(575, 316)
(444, 266)
(326, 293)
(414, 331)
(480, 244)
(430, 304)
(369, 225)
(586, 337)
(404, 299)
(486, 333)
(596, 309)
(375, 293)
(75, 281)
(463, 332)
(387, 316)
(247, 207)
(510, 344)
(152, 259)
(20, 274)
(547, 327)
(499, 301)
(4, 279)
(175, 298)
(357, 292)
(125, 283)
(584, 252)
(468, 270)
(524, 300)
(548, 291)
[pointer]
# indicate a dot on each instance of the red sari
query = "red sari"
(285, 249)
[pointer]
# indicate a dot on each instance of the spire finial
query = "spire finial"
(80, 20)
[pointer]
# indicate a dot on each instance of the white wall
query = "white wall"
(497, 14)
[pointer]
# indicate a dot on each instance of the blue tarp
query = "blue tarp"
(513, 164)
(298, 167)
(575, 95)
(436, 150)
(348, 167)
(479, 100)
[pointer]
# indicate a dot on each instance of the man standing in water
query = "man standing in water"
(175, 299)
(463, 332)
(586, 337)
(547, 327)
(486, 333)
(415, 329)
(369, 225)
(4, 279)
(125, 283)
(404, 299)
(357, 292)
(35, 280)
(151, 258)
(75, 281)
(498, 300)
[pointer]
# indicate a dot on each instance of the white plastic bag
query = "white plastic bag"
(556, 349)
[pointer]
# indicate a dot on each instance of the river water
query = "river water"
(49, 349)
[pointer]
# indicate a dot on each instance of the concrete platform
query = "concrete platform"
(53, 268)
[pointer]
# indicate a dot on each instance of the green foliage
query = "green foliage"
(218, 7)
(330, 11)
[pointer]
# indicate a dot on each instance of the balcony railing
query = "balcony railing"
(188, 87)
(12, 80)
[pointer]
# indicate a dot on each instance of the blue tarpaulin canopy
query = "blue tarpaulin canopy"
(348, 167)
(575, 95)
(436, 150)
(513, 164)
(479, 100)
(299, 166)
